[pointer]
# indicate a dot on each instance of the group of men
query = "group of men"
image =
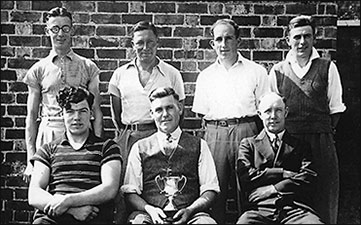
(269, 137)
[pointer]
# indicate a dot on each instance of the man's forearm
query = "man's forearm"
(31, 132)
(204, 202)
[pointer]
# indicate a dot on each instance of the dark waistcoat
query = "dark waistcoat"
(306, 97)
(184, 161)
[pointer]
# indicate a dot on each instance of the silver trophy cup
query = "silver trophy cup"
(170, 186)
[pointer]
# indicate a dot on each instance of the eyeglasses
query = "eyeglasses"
(141, 44)
(56, 29)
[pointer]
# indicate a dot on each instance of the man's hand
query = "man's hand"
(84, 213)
(262, 193)
(182, 216)
(156, 214)
(57, 206)
(27, 172)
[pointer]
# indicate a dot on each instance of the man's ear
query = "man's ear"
(288, 40)
(181, 107)
(46, 30)
(72, 30)
(151, 113)
(286, 111)
(259, 113)
(211, 43)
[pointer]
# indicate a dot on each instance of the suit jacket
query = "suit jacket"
(258, 165)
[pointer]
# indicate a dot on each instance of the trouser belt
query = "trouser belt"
(233, 121)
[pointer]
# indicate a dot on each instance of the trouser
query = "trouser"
(327, 185)
(41, 218)
(223, 143)
(50, 128)
(139, 217)
(285, 215)
(125, 139)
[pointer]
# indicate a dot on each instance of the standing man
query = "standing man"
(170, 168)
(61, 68)
(226, 96)
(275, 171)
(129, 88)
(76, 176)
(313, 88)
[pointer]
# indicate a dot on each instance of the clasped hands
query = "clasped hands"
(60, 204)
(158, 216)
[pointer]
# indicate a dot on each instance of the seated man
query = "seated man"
(274, 170)
(171, 175)
(75, 177)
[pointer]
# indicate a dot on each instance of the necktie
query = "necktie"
(168, 145)
(275, 143)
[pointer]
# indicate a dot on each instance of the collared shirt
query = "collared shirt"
(133, 181)
(125, 84)
(272, 136)
(334, 90)
(52, 73)
(222, 94)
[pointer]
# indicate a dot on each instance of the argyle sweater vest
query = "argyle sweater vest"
(184, 161)
(306, 97)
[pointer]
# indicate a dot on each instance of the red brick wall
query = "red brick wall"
(102, 34)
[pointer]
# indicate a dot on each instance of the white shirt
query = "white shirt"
(334, 91)
(272, 136)
(222, 94)
(125, 84)
(133, 180)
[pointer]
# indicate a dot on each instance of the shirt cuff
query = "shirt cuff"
(128, 188)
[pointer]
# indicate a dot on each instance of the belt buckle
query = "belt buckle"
(134, 127)
(223, 123)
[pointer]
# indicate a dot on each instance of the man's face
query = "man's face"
(166, 113)
(301, 40)
(273, 112)
(225, 42)
(145, 44)
(60, 38)
(77, 118)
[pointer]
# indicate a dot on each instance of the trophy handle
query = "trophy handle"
(184, 183)
(158, 180)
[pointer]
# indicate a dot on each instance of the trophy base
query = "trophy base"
(170, 215)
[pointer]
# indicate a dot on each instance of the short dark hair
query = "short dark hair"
(69, 95)
(58, 11)
(226, 21)
(300, 21)
(163, 92)
(144, 25)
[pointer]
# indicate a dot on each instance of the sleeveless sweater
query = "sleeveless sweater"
(306, 97)
(184, 161)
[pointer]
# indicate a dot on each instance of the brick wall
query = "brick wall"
(102, 34)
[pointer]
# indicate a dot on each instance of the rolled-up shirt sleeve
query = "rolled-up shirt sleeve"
(208, 179)
(133, 174)
(334, 92)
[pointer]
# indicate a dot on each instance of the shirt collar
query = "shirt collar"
(272, 136)
(90, 139)
(291, 56)
(157, 66)
(175, 134)
(53, 54)
(240, 59)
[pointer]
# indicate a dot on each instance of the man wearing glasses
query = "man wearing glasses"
(61, 68)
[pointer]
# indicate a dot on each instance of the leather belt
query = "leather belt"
(140, 126)
(233, 121)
